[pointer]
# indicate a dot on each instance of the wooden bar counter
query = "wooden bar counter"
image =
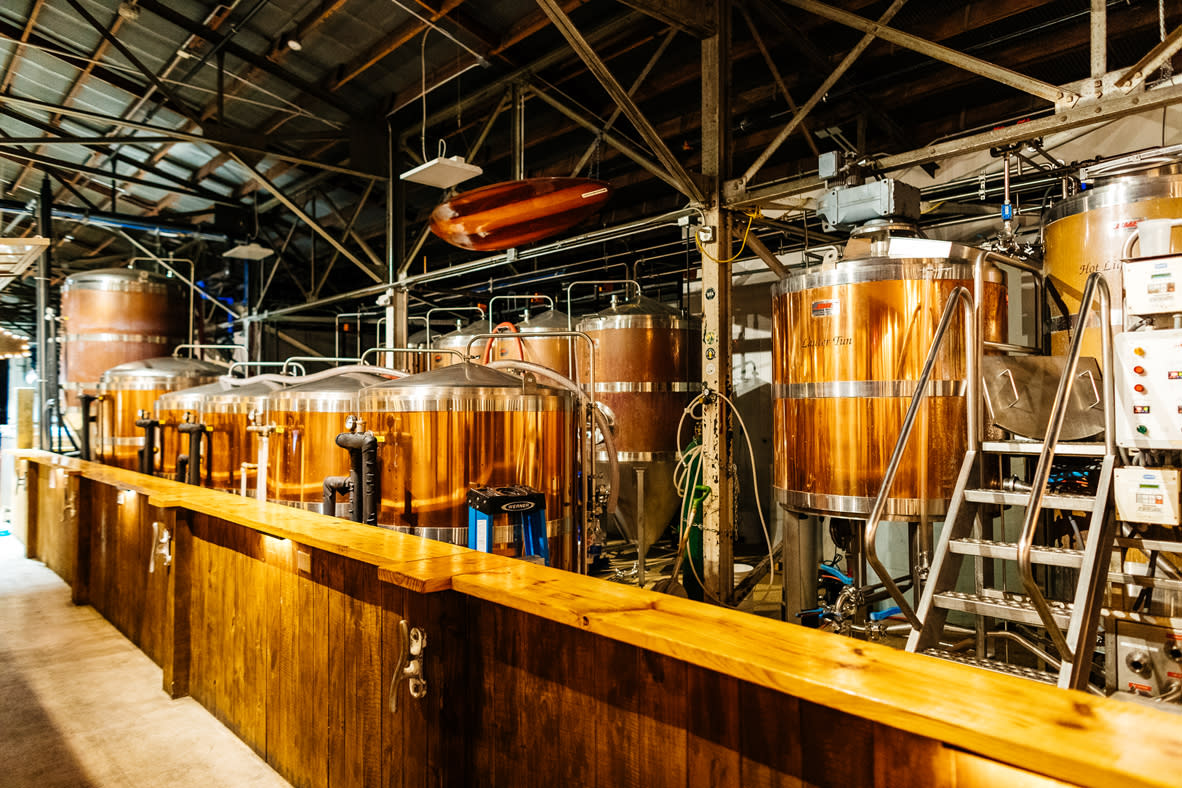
(285, 625)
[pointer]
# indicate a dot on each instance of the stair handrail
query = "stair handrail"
(1096, 284)
(959, 297)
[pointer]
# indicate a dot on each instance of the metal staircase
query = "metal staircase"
(1071, 626)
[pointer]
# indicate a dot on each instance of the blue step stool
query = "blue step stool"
(526, 508)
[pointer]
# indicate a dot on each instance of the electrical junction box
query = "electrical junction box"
(1147, 495)
(1148, 389)
(1153, 286)
(849, 206)
(1147, 658)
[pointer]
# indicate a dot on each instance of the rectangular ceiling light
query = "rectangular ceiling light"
(442, 172)
(17, 254)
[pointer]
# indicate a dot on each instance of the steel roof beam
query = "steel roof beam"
(1005, 76)
(685, 182)
(242, 53)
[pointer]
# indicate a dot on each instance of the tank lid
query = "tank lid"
(462, 334)
(163, 368)
(104, 275)
(344, 383)
(249, 391)
(463, 375)
(196, 392)
(550, 320)
(640, 305)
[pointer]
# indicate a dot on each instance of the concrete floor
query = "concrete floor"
(81, 707)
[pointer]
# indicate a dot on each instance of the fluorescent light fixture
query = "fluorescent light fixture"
(442, 172)
(250, 251)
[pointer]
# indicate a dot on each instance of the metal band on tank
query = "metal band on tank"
(865, 389)
(112, 285)
(641, 456)
(154, 384)
(635, 321)
(319, 404)
(493, 403)
(120, 441)
(241, 406)
(502, 534)
(620, 387)
(1121, 191)
(857, 505)
(146, 339)
(877, 269)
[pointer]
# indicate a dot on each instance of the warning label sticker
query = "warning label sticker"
(826, 308)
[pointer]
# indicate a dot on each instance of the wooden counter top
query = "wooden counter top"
(1064, 734)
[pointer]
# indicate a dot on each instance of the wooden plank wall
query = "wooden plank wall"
(298, 663)
(294, 649)
(120, 585)
(554, 705)
(55, 533)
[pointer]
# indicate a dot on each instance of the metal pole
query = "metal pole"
(518, 131)
(1099, 41)
(44, 351)
(718, 508)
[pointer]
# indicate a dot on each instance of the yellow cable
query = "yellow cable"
(742, 246)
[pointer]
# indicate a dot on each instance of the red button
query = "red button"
(1139, 389)
(1140, 370)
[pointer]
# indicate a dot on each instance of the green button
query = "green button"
(1141, 428)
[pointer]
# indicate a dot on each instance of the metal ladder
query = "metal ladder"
(1071, 626)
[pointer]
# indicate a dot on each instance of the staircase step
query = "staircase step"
(1072, 503)
(995, 666)
(1047, 556)
(1035, 447)
(1008, 607)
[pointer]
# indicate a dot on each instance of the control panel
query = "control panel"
(1148, 658)
(1147, 495)
(1148, 389)
(1153, 287)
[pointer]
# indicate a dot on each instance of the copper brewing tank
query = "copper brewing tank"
(301, 451)
(646, 372)
(443, 431)
(1087, 233)
(847, 346)
(227, 415)
(114, 316)
(127, 389)
(172, 410)
(415, 363)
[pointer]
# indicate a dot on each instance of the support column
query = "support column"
(517, 93)
(717, 465)
(397, 303)
(46, 385)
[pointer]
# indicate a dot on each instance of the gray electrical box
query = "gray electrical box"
(845, 207)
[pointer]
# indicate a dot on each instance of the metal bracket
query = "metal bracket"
(161, 546)
(412, 643)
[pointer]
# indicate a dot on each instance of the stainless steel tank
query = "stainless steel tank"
(458, 340)
(234, 447)
(172, 410)
(1087, 232)
(305, 420)
(646, 372)
(443, 431)
(127, 389)
(113, 316)
(553, 352)
(847, 346)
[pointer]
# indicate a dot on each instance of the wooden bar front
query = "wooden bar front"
(285, 625)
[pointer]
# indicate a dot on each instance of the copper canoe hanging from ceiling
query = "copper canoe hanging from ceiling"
(515, 213)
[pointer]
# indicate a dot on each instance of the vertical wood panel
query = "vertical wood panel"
(615, 672)
(770, 738)
(452, 708)
(505, 658)
(32, 507)
(199, 657)
(254, 605)
(177, 647)
(903, 759)
(837, 749)
(394, 752)
(712, 725)
(280, 626)
(662, 749)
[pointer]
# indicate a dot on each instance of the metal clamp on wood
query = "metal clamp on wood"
(161, 546)
(412, 643)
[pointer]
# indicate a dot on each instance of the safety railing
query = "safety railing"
(1096, 286)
